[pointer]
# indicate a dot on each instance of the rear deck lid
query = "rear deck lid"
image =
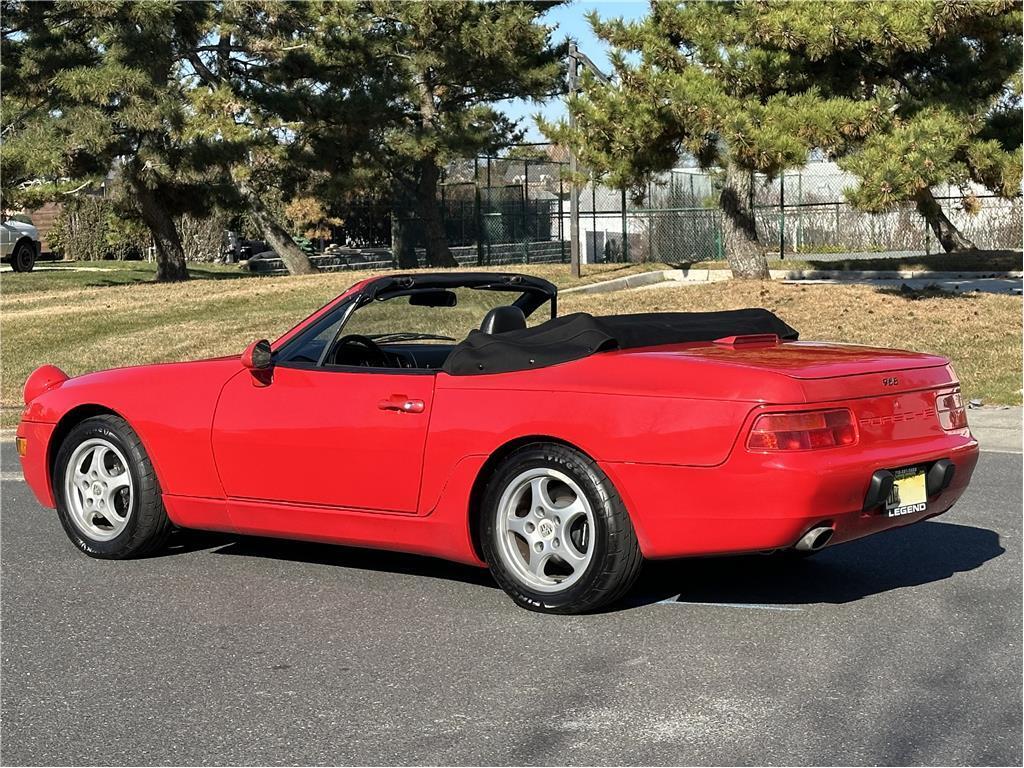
(815, 360)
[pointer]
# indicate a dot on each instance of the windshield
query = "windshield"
(429, 321)
(397, 320)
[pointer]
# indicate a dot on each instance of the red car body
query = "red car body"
(315, 455)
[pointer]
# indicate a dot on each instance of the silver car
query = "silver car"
(19, 244)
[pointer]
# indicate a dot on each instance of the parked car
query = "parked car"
(237, 249)
(558, 451)
(19, 244)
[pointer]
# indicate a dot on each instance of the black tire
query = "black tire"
(147, 526)
(616, 559)
(24, 257)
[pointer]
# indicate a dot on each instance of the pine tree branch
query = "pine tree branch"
(204, 72)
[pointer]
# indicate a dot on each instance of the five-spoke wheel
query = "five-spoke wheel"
(98, 489)
(548, 522)
(108, 497)
(555, 532)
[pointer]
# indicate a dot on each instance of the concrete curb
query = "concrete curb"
(644, 279)
(625, 283)
(997, 428)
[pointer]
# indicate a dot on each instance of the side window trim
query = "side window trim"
(359, 369)
(346, 314)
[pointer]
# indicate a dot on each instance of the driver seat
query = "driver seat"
(503, 319)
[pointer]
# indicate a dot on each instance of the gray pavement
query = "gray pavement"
(903, 648)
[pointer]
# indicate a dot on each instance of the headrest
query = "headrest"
(503, 319)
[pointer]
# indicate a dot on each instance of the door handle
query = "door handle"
(402, 404)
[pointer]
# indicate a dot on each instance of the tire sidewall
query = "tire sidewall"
(88, 429)
(571, 464)
(23, 259)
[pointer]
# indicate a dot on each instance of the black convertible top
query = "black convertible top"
(576, 336)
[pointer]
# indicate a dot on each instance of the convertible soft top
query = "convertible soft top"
(578, 335)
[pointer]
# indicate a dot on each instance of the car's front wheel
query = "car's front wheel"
(107, 494)
(555, 533)
(24, 258)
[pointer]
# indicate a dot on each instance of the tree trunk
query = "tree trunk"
(742, 249)
(945, 231)
(295, 260)
(170, 256)
(434, 239)
(402, 246)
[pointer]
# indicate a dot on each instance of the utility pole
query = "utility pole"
(576, 59)
(574, 187)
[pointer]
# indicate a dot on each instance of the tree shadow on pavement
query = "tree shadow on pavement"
(906, 557)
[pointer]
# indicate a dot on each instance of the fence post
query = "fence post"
(625, 230)
(800, 210)
(478, 219)
(526, 210)
(782, 215)
(561, 216)
(836, 242)
(490, 192)
(650, 221)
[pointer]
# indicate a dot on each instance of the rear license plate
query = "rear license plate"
(909, 492)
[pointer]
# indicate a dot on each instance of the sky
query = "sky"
(571, 22)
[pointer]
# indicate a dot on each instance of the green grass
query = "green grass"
(56, 275)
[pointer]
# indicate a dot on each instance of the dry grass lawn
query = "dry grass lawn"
(84, 328)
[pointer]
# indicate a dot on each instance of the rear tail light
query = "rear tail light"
(805, 431)
(950, 408)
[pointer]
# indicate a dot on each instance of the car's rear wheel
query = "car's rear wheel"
(24, 258)
(108, 498)
(555, 533)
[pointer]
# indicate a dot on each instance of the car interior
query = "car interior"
(409, 330)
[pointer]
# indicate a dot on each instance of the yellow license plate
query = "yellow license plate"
(909, 493)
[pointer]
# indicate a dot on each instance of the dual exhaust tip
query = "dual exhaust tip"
(815, 539)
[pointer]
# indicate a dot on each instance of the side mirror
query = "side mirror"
(257, 356)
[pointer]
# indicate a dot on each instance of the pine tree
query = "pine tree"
(906, 95)
(432, 74)
(105, 76)
(954, 72)
(257, 100)
(691, 79)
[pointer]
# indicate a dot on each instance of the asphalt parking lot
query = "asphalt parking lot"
(903, 648)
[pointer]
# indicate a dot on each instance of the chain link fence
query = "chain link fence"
(804, 213)
(515, 210)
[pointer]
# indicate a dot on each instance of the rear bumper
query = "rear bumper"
(755, 502)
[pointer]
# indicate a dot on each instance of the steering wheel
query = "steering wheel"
(375, 358)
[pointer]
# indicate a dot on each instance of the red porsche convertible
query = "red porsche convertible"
(457, 415)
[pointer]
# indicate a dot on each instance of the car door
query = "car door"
(338, 438)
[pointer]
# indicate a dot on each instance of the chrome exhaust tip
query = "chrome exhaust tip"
(815, 539)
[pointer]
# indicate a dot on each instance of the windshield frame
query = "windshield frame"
(533, 292)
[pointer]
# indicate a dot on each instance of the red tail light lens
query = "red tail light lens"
(806, 431)
(950, 408)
